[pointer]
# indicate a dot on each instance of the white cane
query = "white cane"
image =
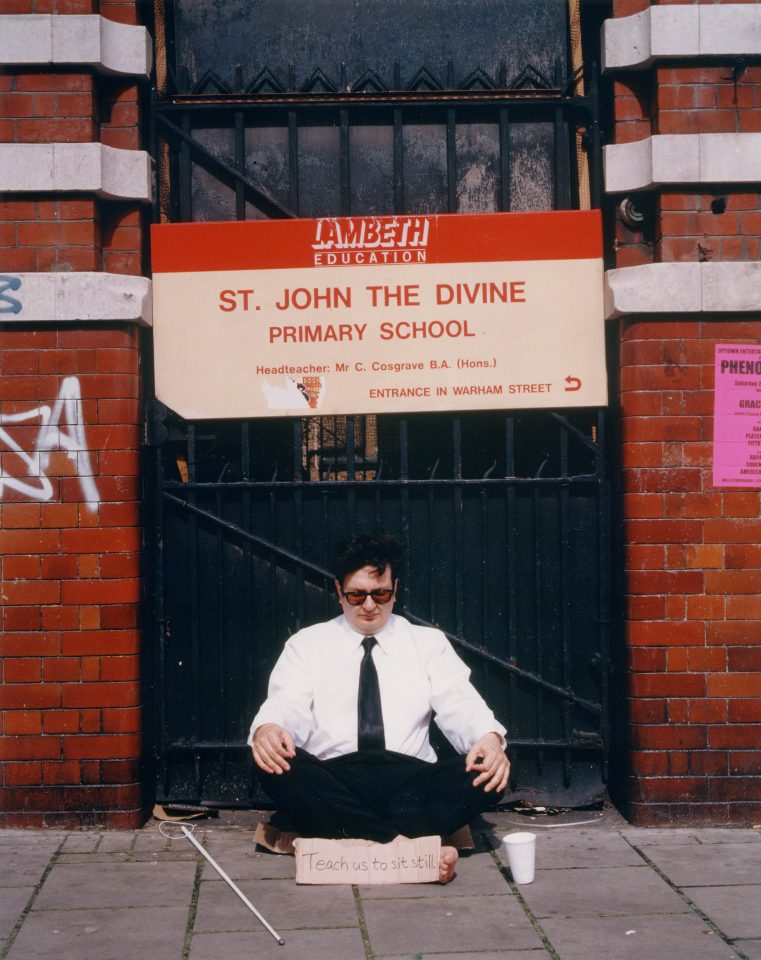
(228, 881)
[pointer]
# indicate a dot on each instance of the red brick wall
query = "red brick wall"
(691, 551)
(70, 692)
(70, 689)
(123, 11)
(693, 574)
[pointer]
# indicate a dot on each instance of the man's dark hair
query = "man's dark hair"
(379, 550)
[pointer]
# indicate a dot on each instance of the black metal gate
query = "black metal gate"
(504, 517)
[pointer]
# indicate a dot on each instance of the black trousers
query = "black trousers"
(376, 795)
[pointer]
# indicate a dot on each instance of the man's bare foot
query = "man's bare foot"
(447, 863)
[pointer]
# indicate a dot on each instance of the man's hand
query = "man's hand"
(487, 756)
(273, 747)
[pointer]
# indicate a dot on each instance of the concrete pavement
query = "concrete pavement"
(603, 891)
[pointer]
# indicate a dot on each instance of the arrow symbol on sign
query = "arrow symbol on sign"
(573, 384)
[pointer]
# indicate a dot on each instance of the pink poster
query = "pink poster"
(737, 416)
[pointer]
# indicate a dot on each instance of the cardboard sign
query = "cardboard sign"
(364, 862)
(379, 314)
(737, 416)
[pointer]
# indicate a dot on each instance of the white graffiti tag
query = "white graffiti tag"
(61, 428)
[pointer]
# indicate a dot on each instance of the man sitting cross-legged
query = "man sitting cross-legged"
(342, 739)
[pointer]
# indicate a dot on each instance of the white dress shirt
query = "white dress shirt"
(313, 690)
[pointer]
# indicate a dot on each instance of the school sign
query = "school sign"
(379, 314)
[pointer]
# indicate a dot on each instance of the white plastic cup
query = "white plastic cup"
(520, 849)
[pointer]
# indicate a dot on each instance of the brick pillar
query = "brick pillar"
(693, 572)
(691, 550)
(71, 579)
(70, 432)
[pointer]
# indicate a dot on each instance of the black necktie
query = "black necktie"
(369, 713)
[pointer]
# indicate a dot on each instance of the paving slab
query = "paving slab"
(82, 843)
(448, 924)
(281, 902)
(117, 841)
(102, 934)
(94, 858)
(582, 848)
(716, 864)
(12, 903)
(252, 862)
(751, 948)
(73, 886)
(151, 839)
(32, 840)
(24, 862)
(539, 954)
(734, 910)
(493, 826)
(234, 836)
(243, 860)
(477, 874)
(728, 835)
(672, 836)
(158, 856)
(151, 844)
(594, 896)
(636, 937)
(340, 944)
(605, 891)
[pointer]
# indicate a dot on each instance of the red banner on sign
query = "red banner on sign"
(368, 241)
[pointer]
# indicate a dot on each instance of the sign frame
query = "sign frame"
(362, 315)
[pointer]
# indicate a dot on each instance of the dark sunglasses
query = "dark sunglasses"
(357, 597)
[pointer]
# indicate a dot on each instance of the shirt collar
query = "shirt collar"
(384, 636)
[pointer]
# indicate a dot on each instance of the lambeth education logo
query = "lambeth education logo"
(369, 240)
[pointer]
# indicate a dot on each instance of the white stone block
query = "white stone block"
(682, 158)
(731, 287)
(683, 288)
(643, 164)
(36, 294)
(674, 31)
(97, 296)
(653, 288)
(26, 38)
(75, 297)
(679, 31)
(733, 29)
(676, 158)
(76, 39)
(75, 167)
(125, 49)
(628, 166)
(81, 40)
(730, 157)
(626, 41)
(125, 173)
(26, 166)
